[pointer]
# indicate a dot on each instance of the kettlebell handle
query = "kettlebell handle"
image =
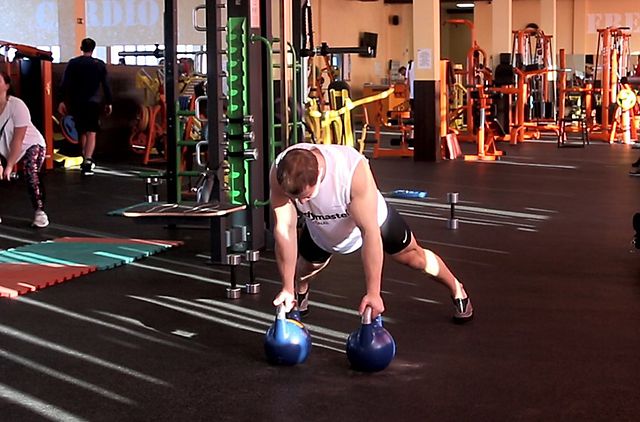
(366, 316)
(280, 312)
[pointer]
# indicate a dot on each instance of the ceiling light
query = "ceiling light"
(464, 5)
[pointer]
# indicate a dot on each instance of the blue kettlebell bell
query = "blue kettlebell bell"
(287, 341)
(371, 348)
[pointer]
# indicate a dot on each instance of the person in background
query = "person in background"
(636, 71)
(332, 187)
(411, 77)
(81, 98)
(402, 71)
(21, 142)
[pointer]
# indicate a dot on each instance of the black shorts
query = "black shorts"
(395, 233)
(86, 117)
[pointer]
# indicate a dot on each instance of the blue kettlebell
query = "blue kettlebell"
(287, 341)
(371, 348)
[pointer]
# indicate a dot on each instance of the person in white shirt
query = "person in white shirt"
(332, 187)
(21, 142)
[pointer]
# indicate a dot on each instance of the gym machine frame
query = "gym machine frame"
(229, 136)
(613, 49)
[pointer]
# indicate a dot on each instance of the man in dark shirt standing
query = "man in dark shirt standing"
(81, 98)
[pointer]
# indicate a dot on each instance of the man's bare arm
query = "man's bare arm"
(284, 233)
(363, 209)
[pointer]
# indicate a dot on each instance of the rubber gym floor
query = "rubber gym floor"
(543, 249)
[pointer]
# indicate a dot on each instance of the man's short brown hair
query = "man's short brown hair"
(87, 45)
(297, 170)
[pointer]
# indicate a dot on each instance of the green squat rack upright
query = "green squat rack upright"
(234, 125)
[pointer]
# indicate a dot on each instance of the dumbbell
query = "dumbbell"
(151, 187)
(13, 177)
(252, 287)
(233, 261)
(452, 200)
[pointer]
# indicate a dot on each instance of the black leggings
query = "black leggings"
(395, 233)
(31, 164)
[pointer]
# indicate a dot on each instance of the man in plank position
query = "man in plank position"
(333, 188)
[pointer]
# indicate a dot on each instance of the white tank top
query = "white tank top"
(327, 215)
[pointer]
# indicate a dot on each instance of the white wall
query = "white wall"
(340, 22)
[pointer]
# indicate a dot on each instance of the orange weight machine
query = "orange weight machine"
(530, 96)
(611, 64)
(532, 60)
(475, 73)
(148, 130)
(605, 119)
(486, 135)
(31, 76)
(478, 100)
(391, 113)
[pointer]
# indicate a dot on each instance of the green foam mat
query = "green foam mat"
(99, 253)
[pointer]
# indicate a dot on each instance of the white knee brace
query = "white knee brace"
(431, 263)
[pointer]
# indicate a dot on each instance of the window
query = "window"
(182, 51)
(100, 53)
(55, 51)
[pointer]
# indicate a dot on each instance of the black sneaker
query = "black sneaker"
(303, 303)
(635, 171)
(636, 164)
(87, 166)
(463, 310)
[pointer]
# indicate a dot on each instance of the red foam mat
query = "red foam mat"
(111, 240)
(18, 279)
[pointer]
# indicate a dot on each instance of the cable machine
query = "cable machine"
(610, 67)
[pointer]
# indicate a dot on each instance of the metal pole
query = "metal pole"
(294, 93)
(215, 128)
(170, 67)
(285, 35)
(271, 134)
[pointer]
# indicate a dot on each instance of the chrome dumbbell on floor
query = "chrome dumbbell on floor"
(252, 287)
(233, 261)
(151, 186)
(452, 200)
